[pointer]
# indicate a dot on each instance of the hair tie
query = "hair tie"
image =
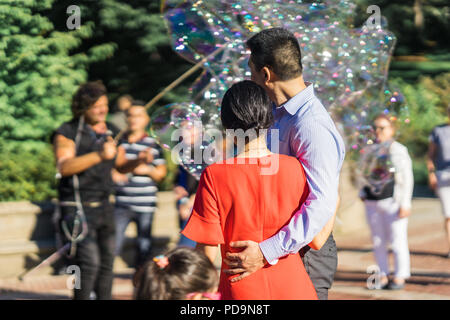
(161, 261)
(207, 295)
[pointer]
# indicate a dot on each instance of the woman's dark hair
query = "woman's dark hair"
(86, 95)
(187, 271)
(246, 106)
(277, 49)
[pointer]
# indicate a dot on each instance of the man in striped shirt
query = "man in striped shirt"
(136, 192)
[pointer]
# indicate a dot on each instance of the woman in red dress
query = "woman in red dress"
(251, 196)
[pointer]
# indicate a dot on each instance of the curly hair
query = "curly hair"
(86, 95)
(187, 271)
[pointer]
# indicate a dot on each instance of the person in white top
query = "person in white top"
(388, 209)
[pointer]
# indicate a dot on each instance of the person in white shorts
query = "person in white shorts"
(439, 169)
(388, 208)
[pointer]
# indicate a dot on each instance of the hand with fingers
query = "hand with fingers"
(109, 149)
(245, 262)
(146, 156)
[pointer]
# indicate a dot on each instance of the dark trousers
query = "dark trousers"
(321, 266)
(95, 253)
(144, 222)
(184, 241)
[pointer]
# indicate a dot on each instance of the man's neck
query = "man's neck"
(285, 90)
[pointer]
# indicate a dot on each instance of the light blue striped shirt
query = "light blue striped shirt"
(307, 132)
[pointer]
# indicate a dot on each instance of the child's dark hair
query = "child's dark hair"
(246, 106)
(186, 271)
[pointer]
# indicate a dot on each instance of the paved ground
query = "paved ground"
(430, 267)
(430, 278)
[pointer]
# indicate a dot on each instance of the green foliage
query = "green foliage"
(27, 171)
(414, 36)
(172, 169)
(143, 62)
(427, 101)
(38, 75)
(413, 70)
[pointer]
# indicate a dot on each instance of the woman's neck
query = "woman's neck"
(255, 148)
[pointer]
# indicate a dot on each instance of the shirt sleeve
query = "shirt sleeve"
(204, 223)
(404, 178)
(321, 151)
(159, 159)
(66, 130)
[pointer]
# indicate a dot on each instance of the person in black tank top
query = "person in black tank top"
(85, 155)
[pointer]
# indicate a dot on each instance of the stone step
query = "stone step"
(27, 236)
(16, 256)
(24, 220)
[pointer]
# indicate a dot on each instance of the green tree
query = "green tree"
(427, 101)
(143, 62)
(38, 76)
(421, 27)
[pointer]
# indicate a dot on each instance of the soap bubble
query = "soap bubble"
(179, 128)
(376, 170)
(347, 65)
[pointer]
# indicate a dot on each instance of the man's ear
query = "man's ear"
(266, 73)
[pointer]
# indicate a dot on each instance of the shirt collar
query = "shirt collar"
(297, 101)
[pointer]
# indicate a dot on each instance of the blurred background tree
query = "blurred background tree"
(37, 79)
(143, 61)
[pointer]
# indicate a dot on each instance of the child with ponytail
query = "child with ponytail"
(181, 274)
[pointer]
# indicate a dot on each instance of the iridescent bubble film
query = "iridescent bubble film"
(178, 127)
(376, 169)
(347, 65)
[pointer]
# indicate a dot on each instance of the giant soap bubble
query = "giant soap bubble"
(178, 127)
(347, 65)
(376, 170)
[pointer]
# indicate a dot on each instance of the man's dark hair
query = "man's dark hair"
(245, 106)
(86, 95)
(277, 49)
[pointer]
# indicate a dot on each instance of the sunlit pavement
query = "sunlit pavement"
(430, 268)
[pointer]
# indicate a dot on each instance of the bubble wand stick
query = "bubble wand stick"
(175, 83)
